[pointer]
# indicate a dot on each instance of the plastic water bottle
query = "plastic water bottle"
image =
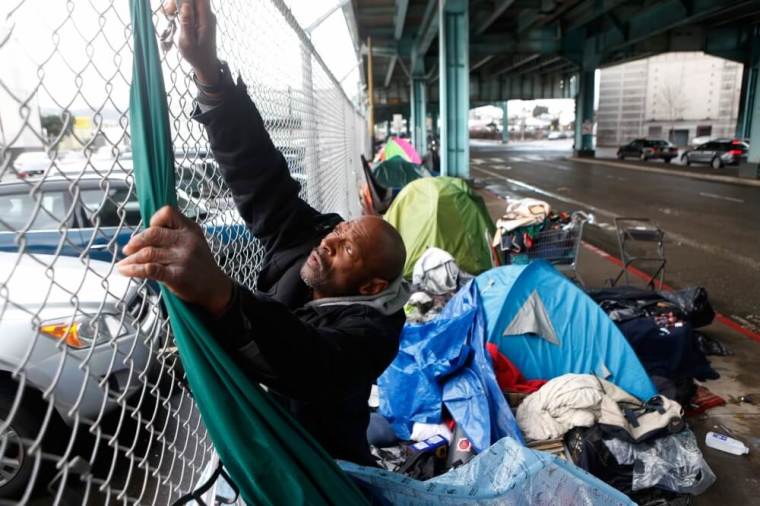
(725, 443)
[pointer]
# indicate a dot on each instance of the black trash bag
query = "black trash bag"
(623, 303)
(588, 451)
(711, 346)
(694, 303)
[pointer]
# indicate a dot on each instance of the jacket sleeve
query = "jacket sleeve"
(300, 360)
(256, 171)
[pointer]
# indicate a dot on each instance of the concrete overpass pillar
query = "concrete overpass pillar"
(505, 123)
(749, 82)
(584, 113)
(454, 87)
(419, 123)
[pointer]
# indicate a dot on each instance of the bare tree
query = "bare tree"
(674, 102)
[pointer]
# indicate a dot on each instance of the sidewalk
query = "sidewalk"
(737, 477)
(728, 174)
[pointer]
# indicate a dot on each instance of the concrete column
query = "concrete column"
(434, 123)
(754, 125)
(418, 123)
(505, 121)
(584, 113)
(454, 86)
(749, 83)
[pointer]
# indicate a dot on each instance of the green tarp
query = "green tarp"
(443, 212)
(269, 456)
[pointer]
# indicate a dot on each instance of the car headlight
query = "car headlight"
(84, 331)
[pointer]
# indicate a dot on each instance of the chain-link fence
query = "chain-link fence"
(93, 404)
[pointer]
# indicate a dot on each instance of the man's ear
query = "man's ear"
(373, 286)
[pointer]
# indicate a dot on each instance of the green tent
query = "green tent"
(396, 172)
(443, 212)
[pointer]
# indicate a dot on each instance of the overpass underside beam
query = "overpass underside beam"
(520, 87)
(454, 87)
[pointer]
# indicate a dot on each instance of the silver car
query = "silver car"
(75, 334)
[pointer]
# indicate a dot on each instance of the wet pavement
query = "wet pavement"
(711, 227)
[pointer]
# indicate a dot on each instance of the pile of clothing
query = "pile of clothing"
(635, 446)
(661, 327)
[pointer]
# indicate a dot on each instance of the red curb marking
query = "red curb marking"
(725, 320)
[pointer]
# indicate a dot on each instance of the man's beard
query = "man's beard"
(316, 279)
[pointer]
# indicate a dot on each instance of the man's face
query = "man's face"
(343, 260)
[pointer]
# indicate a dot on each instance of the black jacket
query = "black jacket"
(321, 360)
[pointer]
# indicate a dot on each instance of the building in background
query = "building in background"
(674, 96)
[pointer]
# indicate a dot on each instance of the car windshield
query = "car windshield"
(656, 144)
(45, 211)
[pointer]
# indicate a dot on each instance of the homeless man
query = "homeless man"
(325, 319)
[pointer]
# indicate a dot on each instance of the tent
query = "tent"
(396, 146)
(395, 173)
(547, 327)
(443, 212)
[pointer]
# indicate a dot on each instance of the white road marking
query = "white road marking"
(721, 197)
(713, 250)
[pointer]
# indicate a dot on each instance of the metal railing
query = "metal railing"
(94, 408)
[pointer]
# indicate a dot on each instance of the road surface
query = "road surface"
(712, 229)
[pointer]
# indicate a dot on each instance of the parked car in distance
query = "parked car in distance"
(108, 333)
(717, 153)
(648, 149)
(31, 163)
(556, 135)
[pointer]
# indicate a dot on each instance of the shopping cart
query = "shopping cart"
(559, 246)
(641, 242)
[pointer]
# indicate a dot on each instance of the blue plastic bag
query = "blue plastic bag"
(505, 473)
(444, 363)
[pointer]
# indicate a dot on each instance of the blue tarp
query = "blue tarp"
(578, 337)
(444, 362)
(505, 473)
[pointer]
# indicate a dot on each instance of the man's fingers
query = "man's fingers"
(156, 272)
(186, 13)
(167, 217)
(151, 255)
(153, 236)
(203, 14)
(170, 7)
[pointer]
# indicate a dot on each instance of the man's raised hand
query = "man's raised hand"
(197, 37)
